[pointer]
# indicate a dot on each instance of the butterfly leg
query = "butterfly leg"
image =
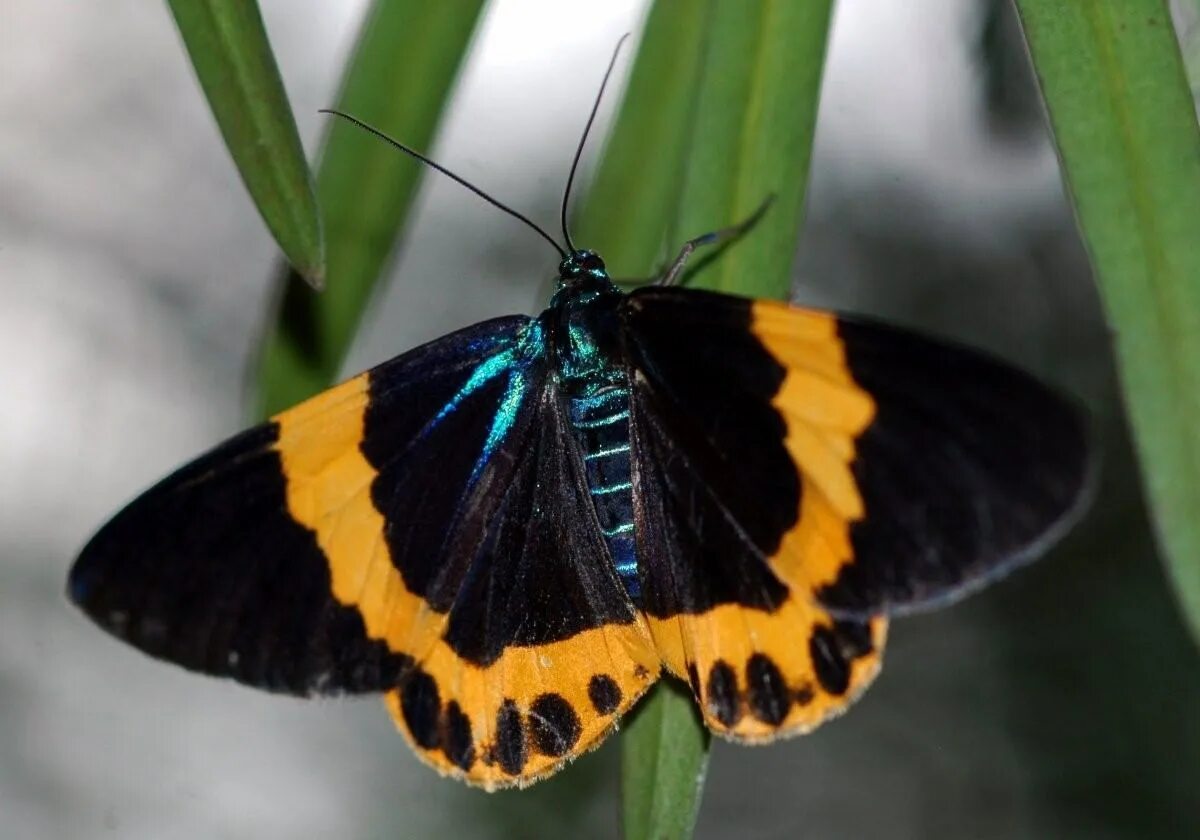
(674, 273)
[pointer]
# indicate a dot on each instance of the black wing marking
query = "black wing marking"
(539, 569)
(714, 488)
(970, 469)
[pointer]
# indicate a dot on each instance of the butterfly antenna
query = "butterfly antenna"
(435, 165)
(582, 140)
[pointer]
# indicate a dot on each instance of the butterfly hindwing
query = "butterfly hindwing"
(543, 650)
(716, 492)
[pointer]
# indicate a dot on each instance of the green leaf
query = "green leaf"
(664, 756)
(641, 171)
(398, 79)
(233, 60)
(719, 116)
(1125, 126)
(752, 139)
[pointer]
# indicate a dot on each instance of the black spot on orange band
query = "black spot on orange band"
(421, 706)
(553, 725)
(723, 693)
(768, 691)
(457, 742)
(855, 638)
(509, 750)
(604, 693)
(833, 671)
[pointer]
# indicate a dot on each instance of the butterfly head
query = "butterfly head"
(579, 265)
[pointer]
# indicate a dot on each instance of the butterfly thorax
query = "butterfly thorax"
(582, 324)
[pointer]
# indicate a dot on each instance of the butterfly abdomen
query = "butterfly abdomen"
(601, 423)
(583, 326)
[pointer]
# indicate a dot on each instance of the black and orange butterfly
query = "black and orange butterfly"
(513, 531)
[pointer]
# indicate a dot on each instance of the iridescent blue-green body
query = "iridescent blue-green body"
(582, 328)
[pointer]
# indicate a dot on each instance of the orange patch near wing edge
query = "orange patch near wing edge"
(329, 491)
(761, 676)
(528, 713)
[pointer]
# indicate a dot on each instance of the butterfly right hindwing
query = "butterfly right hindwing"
(799, 477)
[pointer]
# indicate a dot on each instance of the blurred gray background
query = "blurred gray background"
(134, 277)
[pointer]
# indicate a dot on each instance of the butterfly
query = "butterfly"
(512, 532)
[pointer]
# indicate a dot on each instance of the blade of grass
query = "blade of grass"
(1125, 126)
(753, 139)
(233, 60)
(719, 114)
(642, 166)
(664, 757)
(398, 79)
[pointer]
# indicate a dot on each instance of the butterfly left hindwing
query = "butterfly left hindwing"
(543, 651)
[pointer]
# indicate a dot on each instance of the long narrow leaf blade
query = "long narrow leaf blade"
(664, 756)
(233, 60)
(1125, 126)
(398, 79)
(634, 198)
(753, 137)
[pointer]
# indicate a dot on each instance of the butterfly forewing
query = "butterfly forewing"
(267, 560)
(969, 468)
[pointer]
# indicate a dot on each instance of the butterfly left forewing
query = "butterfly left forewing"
(268, 559)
